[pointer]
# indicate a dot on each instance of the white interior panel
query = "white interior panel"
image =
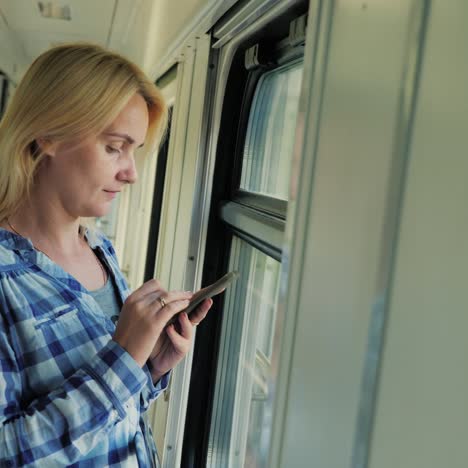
(345, 214)
(12, 56)
(169, 19)
(422, 412)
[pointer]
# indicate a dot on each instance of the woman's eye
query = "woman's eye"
(110, 149)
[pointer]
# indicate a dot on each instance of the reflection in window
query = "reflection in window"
(244, 403)
(270, 133)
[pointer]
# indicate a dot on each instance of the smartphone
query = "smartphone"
(207, 292)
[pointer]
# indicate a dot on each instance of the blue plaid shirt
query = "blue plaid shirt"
(69, 395)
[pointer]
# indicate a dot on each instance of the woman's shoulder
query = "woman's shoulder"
(11, 247)
(8, 259)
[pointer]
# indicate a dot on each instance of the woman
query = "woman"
(73, 384)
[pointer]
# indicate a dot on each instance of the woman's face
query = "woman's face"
(84, 176)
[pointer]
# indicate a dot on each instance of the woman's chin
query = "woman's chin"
(98, 212)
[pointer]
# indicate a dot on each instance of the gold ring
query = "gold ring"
(162, 301)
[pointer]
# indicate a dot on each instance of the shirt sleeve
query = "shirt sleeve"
(68, 422)
(152, 391)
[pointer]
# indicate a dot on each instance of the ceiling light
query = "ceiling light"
(53, 10)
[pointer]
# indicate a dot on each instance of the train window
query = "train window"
(242, 408)
(243, 416)
(233, 381)
(247, 221)
(270, 133)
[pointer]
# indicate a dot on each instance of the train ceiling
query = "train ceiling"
(36, 25)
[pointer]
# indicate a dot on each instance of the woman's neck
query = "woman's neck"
(49, 234)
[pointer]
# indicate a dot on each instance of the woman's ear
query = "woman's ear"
(46, 145)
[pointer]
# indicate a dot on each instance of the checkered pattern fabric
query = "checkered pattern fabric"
(69, 394)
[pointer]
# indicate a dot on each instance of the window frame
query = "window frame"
(242, 210)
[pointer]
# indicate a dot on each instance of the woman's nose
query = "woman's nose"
(128, 173)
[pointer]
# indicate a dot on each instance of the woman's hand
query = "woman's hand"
(143, 318)
(175, 341)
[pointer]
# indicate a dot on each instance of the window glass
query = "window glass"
(270, 133)
(241, 429)
(243, 401)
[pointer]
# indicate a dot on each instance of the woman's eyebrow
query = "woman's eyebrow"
(123, 135)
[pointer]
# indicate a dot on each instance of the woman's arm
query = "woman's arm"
(67, 423)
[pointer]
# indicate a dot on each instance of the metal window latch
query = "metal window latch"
(254, 57)
(297, 30)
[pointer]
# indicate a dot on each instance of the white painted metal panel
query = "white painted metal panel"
(348, 126)
(173, 29)
(12, 57)
(422, 409)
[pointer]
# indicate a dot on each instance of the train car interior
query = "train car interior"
(316, 147)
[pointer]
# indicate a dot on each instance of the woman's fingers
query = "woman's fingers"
(186, 328)
(163, 305)
(162, 297)
(200, 312)
(154, 286)
(150, 286)
(169, 310)
(143, 317)
(181, 344)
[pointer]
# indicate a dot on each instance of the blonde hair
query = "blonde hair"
(73, 90)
